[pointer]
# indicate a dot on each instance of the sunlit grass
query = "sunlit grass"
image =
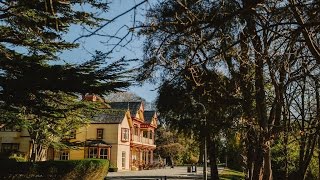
(228, 174)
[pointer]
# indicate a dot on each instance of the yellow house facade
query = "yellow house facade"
(14, 139)
(124, 134)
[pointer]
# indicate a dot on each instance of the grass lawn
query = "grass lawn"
(228, 174)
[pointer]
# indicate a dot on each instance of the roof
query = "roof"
(117, 112)
(90, 143)
(148, 115)
(132, 106)
(98, 143)
(92, 97)
(110, 116)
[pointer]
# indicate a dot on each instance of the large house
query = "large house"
(124, 134)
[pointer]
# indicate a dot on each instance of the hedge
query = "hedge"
(87, 169)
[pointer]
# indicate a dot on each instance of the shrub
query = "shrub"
(88, 169)
(17, 157)
(112, 168)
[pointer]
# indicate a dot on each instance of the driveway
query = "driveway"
(160, 174)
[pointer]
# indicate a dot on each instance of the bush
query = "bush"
(88, 169)
(14, 156)
(113, 168)
(17, 157)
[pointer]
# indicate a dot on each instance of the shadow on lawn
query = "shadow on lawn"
(229, 174)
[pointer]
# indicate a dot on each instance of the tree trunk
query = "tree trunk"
(267, 174)
(319, 157)
(285, 151)
(258, 162)
(318, 118)
(261, 108)
(250, 153)
(201, 146)
(33, 152)
(213, 161)
(172, 163)
(38, 152)
(246, 86)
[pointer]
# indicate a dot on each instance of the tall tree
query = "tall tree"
(256, 45)
(38, 90)
(124, 97)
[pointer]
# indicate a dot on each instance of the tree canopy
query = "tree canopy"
(38, 90)
(244, 54)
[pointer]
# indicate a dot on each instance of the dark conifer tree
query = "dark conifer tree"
(37, 91)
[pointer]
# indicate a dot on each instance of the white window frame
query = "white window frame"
(123, 158)
(92, 155)
(125, 134)
(64, 155)
(100, 132)
(103, 155)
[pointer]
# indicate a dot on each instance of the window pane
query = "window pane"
(64, 155)
(99, 133)
(145, 134)
(136, 131)
(151, 135)
(125, 134)
(73, 134)
(123, 159)
(104, 153)
(93, 152)
(8, 147)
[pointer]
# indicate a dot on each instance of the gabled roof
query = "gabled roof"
(148, 115)
(110, 116)
(132, 106)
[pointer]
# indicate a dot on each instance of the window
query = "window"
(136, 131)
(104, 153)
(72, 134)
(7, 128)
(145, 134)
(99, 133)
(123, 159)
(10, 129)
(151, 135)
(9, 147)
(64, 155)
(93, 152)
(125, 134)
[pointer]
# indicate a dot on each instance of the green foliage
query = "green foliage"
(17, 157)
(278, 160)
(113, 169)
(38, 91)
(12, 156)
(88, 169)
(172, 144)
(231, 151)
(228, 174)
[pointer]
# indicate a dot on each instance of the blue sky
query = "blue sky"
(133, 50)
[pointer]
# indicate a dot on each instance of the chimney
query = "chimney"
(89, 97)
